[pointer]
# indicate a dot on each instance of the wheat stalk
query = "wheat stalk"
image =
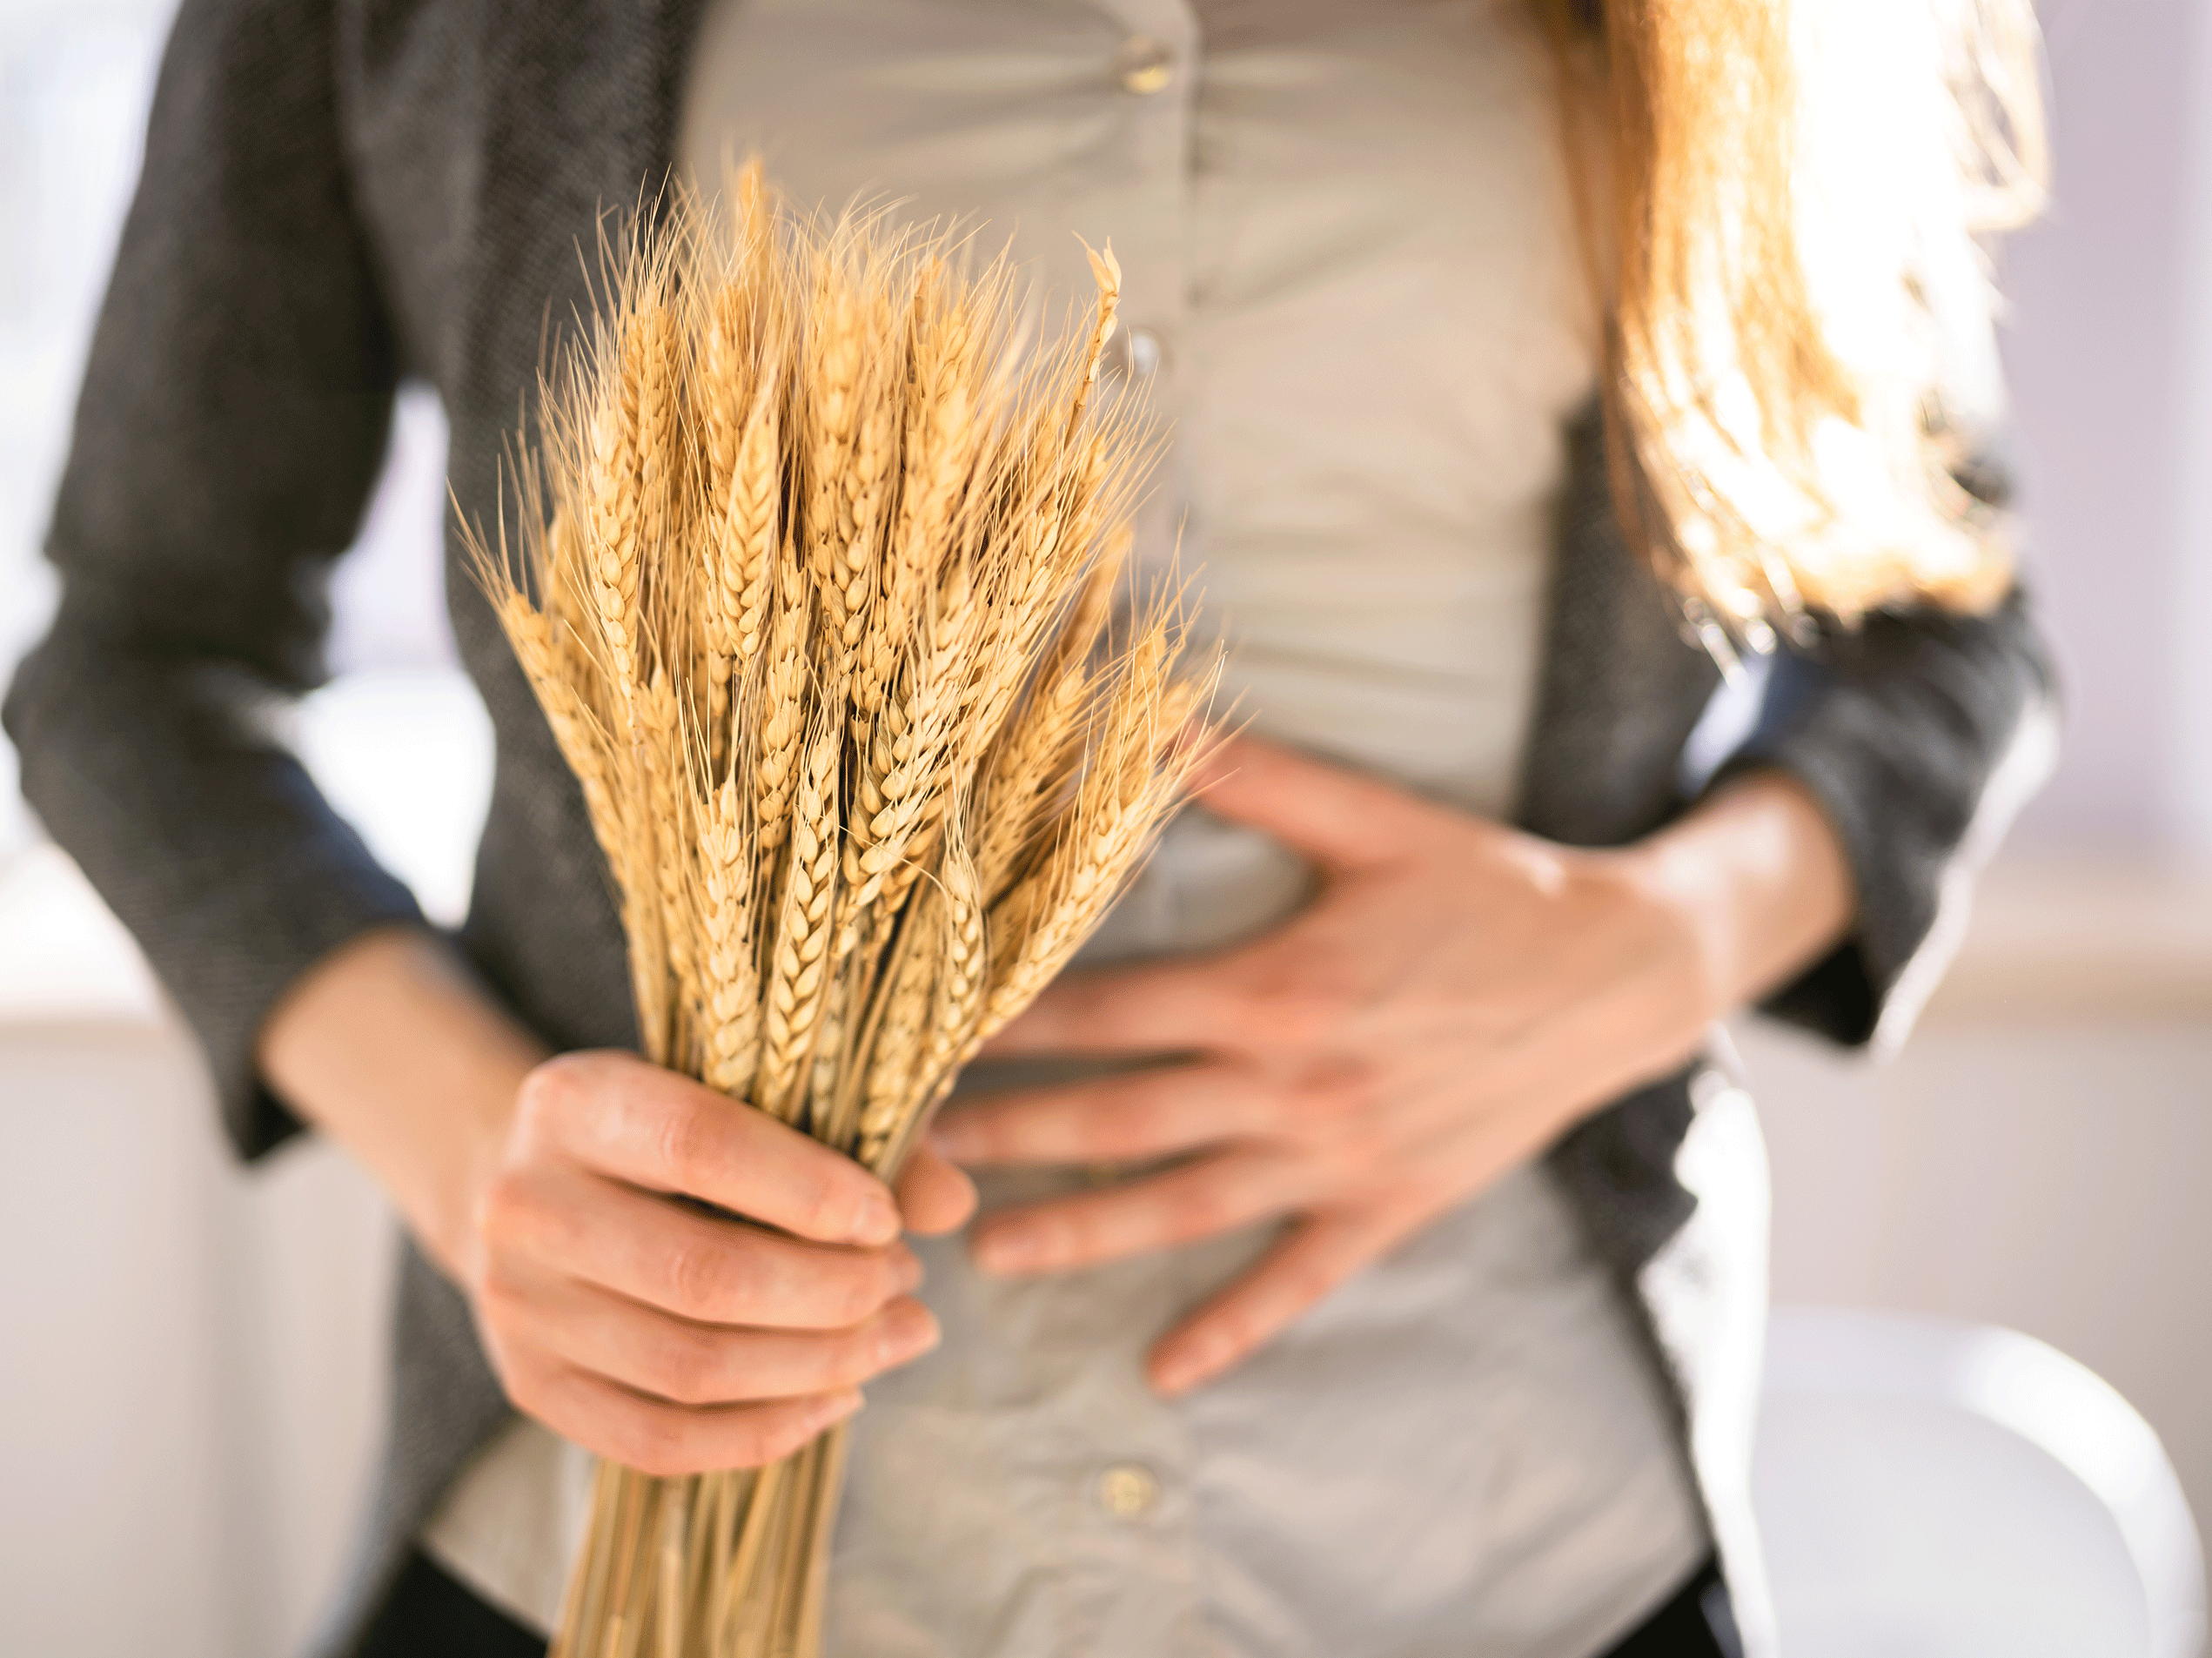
(821, 585)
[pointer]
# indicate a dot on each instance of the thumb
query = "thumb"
(1339, 818)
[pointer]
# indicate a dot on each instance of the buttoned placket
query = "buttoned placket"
(1135, 1551)
(1153, 68)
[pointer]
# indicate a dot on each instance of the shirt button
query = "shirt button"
(1145, 66)
(1128, 1490)
(1146, 351)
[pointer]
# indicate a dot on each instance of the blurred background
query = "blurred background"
(189, 1379)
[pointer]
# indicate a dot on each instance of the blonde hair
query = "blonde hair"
(1783, 199)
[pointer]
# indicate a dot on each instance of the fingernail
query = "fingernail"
(836, 1407)
(877, 1221)
(908, 1331)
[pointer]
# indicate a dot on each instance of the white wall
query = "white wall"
(2108, 352)
(191, 1379)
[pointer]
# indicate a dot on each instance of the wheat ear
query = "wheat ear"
(733, 1033)
(799, 959)
(780, 717)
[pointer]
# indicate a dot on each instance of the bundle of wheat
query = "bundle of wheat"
(817, 583)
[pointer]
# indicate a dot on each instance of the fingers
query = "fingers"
(1293, 1276)
(682, 1362)
(1151, 1113)
(711, 1270)
(1172, 1007)
(1199, 1200)
(616, 1114)
(935, 1197)
(1283, 992)
(1339, 818)
(1330, 1246)
(664, 1439)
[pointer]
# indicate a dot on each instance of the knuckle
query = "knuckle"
(852, 1359)
(1203, 1209)
(760, 1439)
(552, 1090)
(1334, 1094)
(1283, 1008)
(853, 1296)
(1130, 1121)
(1314, 1111)
(820, 1206)
(503, 1207)
(683, 1136)
(498, 1291)
(1362, 1147)
(689, 1369)
(526, 1389)
(699, 1278)
(656, 1441)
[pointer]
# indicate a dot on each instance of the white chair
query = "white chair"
(1932, 1489)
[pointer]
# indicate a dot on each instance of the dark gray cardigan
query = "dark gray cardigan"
(338, 195)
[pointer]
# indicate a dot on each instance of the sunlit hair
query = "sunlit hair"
(1782, 200)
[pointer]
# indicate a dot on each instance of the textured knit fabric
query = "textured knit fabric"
(339, 192)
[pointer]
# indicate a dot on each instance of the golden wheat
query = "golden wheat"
(822, 588)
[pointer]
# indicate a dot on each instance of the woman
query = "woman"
(1435, 1328)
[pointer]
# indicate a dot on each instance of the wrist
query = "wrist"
(392, 1047)
(481, 1080)
(1680, 879)
(1757, 880)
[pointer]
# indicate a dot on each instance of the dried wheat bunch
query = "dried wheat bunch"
(821, 582)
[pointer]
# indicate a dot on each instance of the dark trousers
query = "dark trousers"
(429, 1615)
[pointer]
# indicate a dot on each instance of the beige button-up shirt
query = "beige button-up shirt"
(1350, 285)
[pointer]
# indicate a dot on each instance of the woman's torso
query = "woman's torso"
(1351, 285)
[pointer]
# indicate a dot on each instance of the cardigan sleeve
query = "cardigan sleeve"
(1920, 734)
(234, 414)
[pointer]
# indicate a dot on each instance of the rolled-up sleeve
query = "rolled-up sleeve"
(234, 414)
(1920, 734)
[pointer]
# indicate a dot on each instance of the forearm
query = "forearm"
(1919, 735)
(390, 1047)
(1759, 873)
